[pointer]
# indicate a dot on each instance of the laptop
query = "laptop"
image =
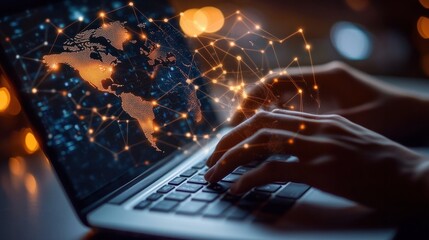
(110, 92)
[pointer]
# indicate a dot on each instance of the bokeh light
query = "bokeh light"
(30, 143)
(4, 99)
(197, 21)
(214, 16)
(351, 41)
(357, 5)
(423, 27)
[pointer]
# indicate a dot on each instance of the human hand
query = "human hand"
(335, 155)
(347, 92)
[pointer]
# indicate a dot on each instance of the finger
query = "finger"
(261, 120)
(260, 146)
(270, 172)
(264, 93)
(257, 96)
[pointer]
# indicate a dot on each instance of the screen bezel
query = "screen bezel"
(81, 206)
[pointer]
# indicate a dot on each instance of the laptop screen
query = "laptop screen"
(113, 84)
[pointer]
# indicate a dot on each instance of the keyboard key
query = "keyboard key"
(205, 197)
(216, 209)
(203, 171)
(189, 187)
(177, 196)
(241, 170)
(293, 190)
(142, 205)
(164, 206)
(231, 198)
(188, 173)
(231, 178)
(271, 188)
(277, 205)
(198, 180)
(165, 189)
(190, 208)
(199, 165)
(257, 196)
(237, 213)
(154, 196)
(219, 187)
(177, 181)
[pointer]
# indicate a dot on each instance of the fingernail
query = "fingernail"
(209, 174)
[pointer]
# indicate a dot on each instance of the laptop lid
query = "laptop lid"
(110, 87)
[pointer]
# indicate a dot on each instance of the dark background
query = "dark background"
(34, 206)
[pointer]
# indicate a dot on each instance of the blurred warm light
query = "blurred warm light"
(357, 5)
(17, 166)
(214, 16)
(31, 184)
(351, 41)
(423, 27)
(30, 143)
(197, 21)
(190, 25)
(424, 3)
(4, 99)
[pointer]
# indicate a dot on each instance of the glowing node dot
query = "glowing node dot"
(131, 4)
(300, 30)
(188, 135)
(4, 99)
(102, 14)
(90, 131)
(45, 43)
(239, 18)
(270, 42)
(126, 148)
(94, 109)
(188, 81)
(228, 119)
(237, 12)
(246, 146)
(302, 126)
(257, 27)
(165, 19)
(109, 105)
(262, 80)
(315, 87)
(295, 59)
(78, 107)
(262, 51)
(47, 20)
(196, 50)
(143, 36)
(232, 44)
(184, 115)
(104, 118)
(216, 100)
(181, 14)
(196, 87)
(308, 47)
(60, 30)
(80, 19)
(238, 58)
(17, 57)
(34, 90)
(154, 103)
(150, 19)
(299, 91)
(291, 141)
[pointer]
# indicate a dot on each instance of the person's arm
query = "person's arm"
(350, 93)
(335, 155)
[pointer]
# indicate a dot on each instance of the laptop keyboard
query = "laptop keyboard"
(190, 194)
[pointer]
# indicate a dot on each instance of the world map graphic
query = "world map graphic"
(110, 61)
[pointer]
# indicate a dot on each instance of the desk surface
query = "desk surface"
(33, 205)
